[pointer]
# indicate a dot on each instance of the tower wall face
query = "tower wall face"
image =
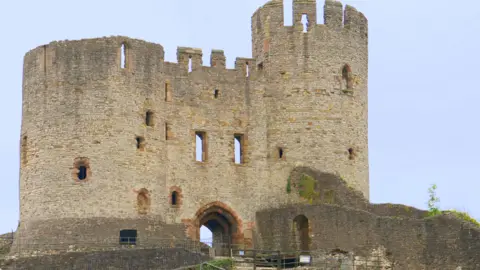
(313, 113)
(82, 108)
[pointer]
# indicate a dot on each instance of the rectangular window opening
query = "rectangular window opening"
(128, 237)
(149, 118)
(190, 64)
(247, 70)
(239, 148)
(140, 143)
(281, 153)
(215, 93)
(167, 131)
(200, 146)
(168, 92)
(123, 59)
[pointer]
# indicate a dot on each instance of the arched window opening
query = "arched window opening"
(347, 77)
(149, 118)
(123, 58)
(302, 237)
(174, 198)
(215, 93)
(305, 23)
(239, 151)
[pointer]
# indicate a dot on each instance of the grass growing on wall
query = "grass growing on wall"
(307, 188)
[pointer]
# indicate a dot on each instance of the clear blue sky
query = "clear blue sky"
(423, 94)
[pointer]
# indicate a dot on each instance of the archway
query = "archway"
(223, 223)
(302, 238)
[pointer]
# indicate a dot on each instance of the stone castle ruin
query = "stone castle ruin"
(119, 146)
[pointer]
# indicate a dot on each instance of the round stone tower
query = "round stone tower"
(118, 144)
(316, 89)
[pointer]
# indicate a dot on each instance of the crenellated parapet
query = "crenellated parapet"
(269, 18)
(99, 58)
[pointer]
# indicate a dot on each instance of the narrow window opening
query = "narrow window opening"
(215, 93)
(305, 22)
(287, 12)
(280, 153)
(140, 143)
(167, 131)
(82, 172)
(168, 92)
(174, 198)
(128, 237)
(149, 118)
(200, 146)
(347, 77)
(351, 153)
(123, 59)
(24, 150)
(190, 64)
(239, 148)
(247, 70)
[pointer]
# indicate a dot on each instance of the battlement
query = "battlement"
(109, 55)
(269, 18)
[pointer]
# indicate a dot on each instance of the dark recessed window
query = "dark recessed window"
(149, 118)
(128, 237)
(174, 197)
(280, 153)
(82, 172)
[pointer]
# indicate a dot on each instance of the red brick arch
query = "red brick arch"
(235, 222)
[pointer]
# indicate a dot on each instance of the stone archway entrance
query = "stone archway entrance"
(224, 224)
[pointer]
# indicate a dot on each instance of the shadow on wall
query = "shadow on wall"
(337, 217)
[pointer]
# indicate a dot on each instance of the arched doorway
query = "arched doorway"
(223, 223)
(302, 238)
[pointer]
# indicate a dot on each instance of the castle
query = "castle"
(117, 143)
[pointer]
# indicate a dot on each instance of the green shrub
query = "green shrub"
(433, 208)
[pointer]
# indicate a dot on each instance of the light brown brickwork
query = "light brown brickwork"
(79, 102)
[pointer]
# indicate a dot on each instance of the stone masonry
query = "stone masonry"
(108, 136)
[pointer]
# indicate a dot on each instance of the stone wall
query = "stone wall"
(142, 259)
(409, 239)
(88, 151)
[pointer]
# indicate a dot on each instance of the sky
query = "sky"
(423, 95)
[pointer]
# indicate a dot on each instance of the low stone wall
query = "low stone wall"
(47, 236)
(138, 259)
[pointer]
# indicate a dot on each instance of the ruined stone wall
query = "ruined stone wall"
(408, 238)
(85, 110)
